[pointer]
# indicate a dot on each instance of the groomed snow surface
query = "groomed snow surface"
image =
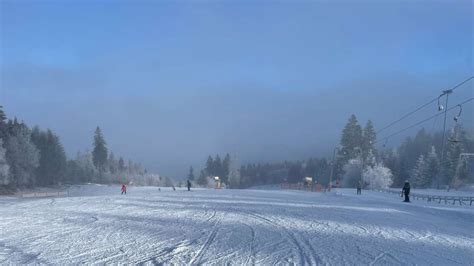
(98, 225)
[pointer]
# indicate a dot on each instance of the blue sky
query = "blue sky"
(173, 81)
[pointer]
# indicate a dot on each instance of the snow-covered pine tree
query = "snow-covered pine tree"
(234, 178)
(121, 165)
(218, 167)
(3, 124)
(226, 168)
(202, 179)
(130, 167)
(234, 173)
(99, 153)
(419, 173)
(52, 163)
(4, 167)
(350, 139)
(370, 159)
(461, 175)
(85, 165)
(432, 167)
(113, 163)
(22, 156)
(368, 139)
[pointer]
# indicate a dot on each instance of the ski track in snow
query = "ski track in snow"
(249, 227)
(210, 238)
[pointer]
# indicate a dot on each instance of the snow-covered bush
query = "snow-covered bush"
(377, 176)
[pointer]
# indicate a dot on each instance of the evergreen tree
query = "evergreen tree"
(370, 159)
(3, 124)
(121, 165)
(22, 155)
(295, 173)
(113, 163)
(218, 169)
(85, 166)
(391, 160)
(368, 139)
(234, 178)
(226, 168)
(351, 141)
(3, 117)
(210, 168)
(191, 173)
(351, 138)
(72, 172)
(52, 162)
(432, 167)
(202, 179)
(419, 176)
(130, 167)
(461, 175)
(4, 167)
(99, 154)
(409, 153)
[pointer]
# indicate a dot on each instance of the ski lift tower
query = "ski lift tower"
(466, 156)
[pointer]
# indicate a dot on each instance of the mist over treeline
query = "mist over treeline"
(30, 156)
(35, 157)
(417, 159)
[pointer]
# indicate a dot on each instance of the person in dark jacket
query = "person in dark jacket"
(359, 187)
(406, 191)
(189, 185)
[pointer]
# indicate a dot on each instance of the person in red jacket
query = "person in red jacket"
(124, 189)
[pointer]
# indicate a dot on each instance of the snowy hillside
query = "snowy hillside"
(97, 225)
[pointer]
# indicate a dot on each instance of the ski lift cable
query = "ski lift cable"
(454, 161)
(423, 106)
(434, 124)
(407, 115)
(422, 121)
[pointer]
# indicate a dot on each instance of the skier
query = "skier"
(124, 189)
(359, 188)
(406, 191)
(174, 189)
(189, 185)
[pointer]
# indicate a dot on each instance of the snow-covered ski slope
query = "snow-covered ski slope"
(233, 226)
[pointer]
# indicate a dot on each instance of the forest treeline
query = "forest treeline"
(35, 157)
(417, 159)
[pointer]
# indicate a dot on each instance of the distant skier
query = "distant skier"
(124, 189)
(406, 191)
(174, 189)
(359, 187)
(189, 185)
